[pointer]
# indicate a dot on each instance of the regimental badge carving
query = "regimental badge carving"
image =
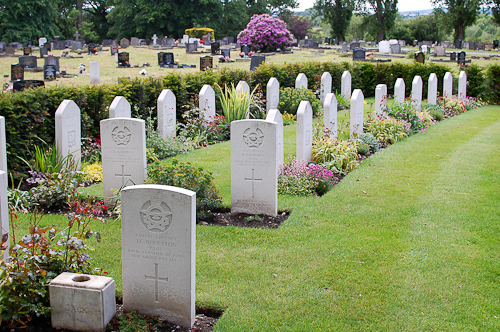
(253, 138)
(121, 135)
(71, 138)
(156, 216)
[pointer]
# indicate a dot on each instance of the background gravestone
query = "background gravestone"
(28, 61)
(166, 114)
(16, 72)
(461, 58)
(462, 86)
(272, 94)
(256, 61)
(95, 75)
(207, 103)
(120, 108)
(301, 81)
(380, 100)
(124, 43)
(275, 116)
(159, 281)
(68, 130)
(10, 50)
(123, 149)
(304, 132)
(49, 72)
(357, 113)
(54, 61)
(358, 54)
(330, 114)
(416, 92)
(447, 85)
(326, 86)
(191, 47)
(354, 45)
(254, 173)
(215, 48)
(420, 57)
(225, 52)
(345, 88)
(432, 87)
(399, 91)
(245, 49)
(21, 85)
(123, 59)
(206, 62)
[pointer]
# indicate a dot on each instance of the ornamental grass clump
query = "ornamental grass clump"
(265, 33)
(337, 155)
(387, 130)
(235, 104)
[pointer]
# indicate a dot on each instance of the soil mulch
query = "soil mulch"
(225, 218)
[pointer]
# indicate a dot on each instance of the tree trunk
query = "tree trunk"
(380, 21)
(340, 37)
(79, 20)
(460, 31)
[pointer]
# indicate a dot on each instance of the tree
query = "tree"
(95, 11)
(458, 14)
(299, 26)
(337, 14)
(265, 33)
(23, 20)
(494, 5)
(380, 14)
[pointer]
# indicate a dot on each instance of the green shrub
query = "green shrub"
(369, 139)
(454, 106)
(436, 115)
(56, 191)
(387, 130)
(39, 257)
(186, 176)
(169, 146)
(363, 148)
(338, 155)
(290, 99)
(408, 113)
(493, 84)
(289, 119)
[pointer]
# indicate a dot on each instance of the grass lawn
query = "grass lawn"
(409, 241)
(140, 55)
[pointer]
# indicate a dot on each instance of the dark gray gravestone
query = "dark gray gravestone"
(354, 46)
(168, 58)
(191, 47)
(27, 50)
(344, 47)
(495, 43)
(134, 41)
(68, 43)
(123, 59)
(144, 42)
(10, 50)
(231, 40)
(358, 54)
(226, 52)
(160, 58)
(420, 57)
(170, 41)
(124, 43)
(327, 40)
(245, 49)
(480, 46)
(107, 42)
(206, 62)
(77, 45)
(256, 61)
(472, 45)
(427, 42)
(43, 51)
(461, 58)
(16, 72)
(21, 85)
(2, 47)
(52, 60)
(453, 56)
(16, 45)
(29, 43)
(114, 49)
(28, 61)
(58, 44)
(215, 48)
(458, 43)
(395, 48)
(49, 72)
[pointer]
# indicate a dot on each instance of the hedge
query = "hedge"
(30, 114)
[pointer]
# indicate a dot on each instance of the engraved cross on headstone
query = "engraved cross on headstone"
(253, 179)
(76, 35)
(123, 175)
(156, 279)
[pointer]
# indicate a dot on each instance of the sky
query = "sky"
(403, 5)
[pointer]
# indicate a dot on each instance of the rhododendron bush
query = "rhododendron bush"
(265, 33)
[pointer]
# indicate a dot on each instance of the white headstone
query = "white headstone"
(68, 130)
(159, 252)
(95, 76)
(120, 108)
(380, 100)
(384, 46)
(447, 85)
(207, 103)
(399, 91)
(185, 39)
(357, 113)
(42, 41)
(4, 212)
(275, 116)
(301, 81)
(304, 132)
(3, 146)
(123, 149)
(432, 89)
(462, 86)
(416, 92)
(326, 86)
(426, 49)
(254, 172)
(154, 38)
(272, 94)
(243, 88)
(330, 114)
(166, 105)
(345, 88)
